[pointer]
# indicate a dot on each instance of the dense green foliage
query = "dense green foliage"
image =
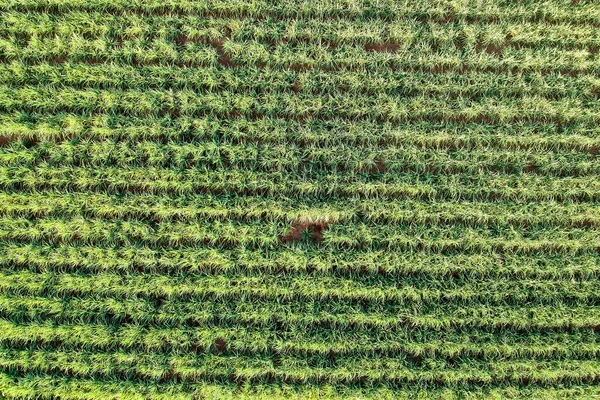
(299, 199)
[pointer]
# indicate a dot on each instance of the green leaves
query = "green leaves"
(299, 199)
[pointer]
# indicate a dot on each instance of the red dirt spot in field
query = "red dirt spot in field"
(276, 358)
(296, 87)
(575, 2)
(439, 69)
(170, 374)
(490, 48)
(381, 47)
(586, 223)
(317, 232)
(95, 61)
(331, 356)
(570, 73)
(238, 379)
(197, 347)
(416, 359)
(315, 228)
(182, 40)
(452, 361)
(224, 59)
(594, 150)
(530, 168)
(480, 118)
(220, 345)
(218, 43)
(459, 44)
(378, 168)
(301, 67)
(448, 19)
(5, 141)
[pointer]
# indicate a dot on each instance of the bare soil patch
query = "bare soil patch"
(224, 59)
(314, 228)
(5, 141)
(490, 48)
(296, 87)
(382, 47)
(220, 345)
(378, 168)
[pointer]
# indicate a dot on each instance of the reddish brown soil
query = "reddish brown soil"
(224, 59)
(378, 168)
(169, 375)
(416, 359)
(296, 87)
(490, 48)
(301, 67)
(331, 356)
(530, 168)
(59, 59)
(382, 47)
(442, 69)
(218, 43)
(220, 345)
(182, 40)
(316, 231)
(4, 141)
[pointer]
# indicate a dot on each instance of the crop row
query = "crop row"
(253, 81)
(415, 292)
(47, 387)
(464, 187)
(295, 316)
(415, 346)
(299, 106)
(215, 368)
(281, 199)
(299, 199)
(314, 132)
(402, 34)
(249, 208)
(298, 56)
(442, 238)
(292, 158)
(373, 266)
(553, 10)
